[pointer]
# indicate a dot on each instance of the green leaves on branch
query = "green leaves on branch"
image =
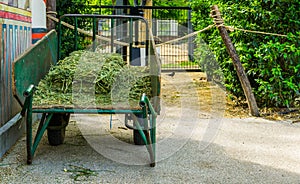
(271, 62)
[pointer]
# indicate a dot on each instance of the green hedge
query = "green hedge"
(272, 63)
(68, 35)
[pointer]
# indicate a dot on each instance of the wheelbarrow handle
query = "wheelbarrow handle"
(146, 102)
(29, 91)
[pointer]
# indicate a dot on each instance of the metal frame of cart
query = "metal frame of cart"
(24, 82)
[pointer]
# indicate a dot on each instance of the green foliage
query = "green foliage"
(271, 62)
(68, 35)
(171, 14)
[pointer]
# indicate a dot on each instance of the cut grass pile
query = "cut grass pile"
(90, 78)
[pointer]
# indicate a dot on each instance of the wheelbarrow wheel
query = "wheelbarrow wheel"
(57, 128)
(138, 140)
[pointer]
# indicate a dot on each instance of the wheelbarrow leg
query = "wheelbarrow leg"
(40, 125)
(153, 139)
(32, 146)
(27, 108)
(146, 135)
(151, 127)
(150, 148)
(39, 134)
(29, 133)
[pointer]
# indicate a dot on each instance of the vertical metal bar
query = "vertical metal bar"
(131, 38)
(167, 54)
(147, 45)
(76, 33)
(29, 130)
(94, 33)
(136, 32)
(150, 146)
(124, 35)
(59, 41)
(153, 137)
(190, 40)
(112, 35)
(181, 46)
(24, 108)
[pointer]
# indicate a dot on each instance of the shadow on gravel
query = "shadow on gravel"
(67, 162)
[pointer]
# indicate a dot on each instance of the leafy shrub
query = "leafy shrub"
(68, 35)
(272, 63)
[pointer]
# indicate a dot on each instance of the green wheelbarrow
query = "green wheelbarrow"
(55, 118)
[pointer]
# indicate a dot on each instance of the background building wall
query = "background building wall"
(15, 30)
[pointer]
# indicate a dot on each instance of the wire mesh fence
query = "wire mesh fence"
(167, 24)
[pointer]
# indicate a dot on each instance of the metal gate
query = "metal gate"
(169, 26)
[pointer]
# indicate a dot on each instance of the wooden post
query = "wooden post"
(148, 13)
(51, 7)
(148, 17)
(236, 62)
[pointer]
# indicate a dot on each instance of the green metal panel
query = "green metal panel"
(34, 64)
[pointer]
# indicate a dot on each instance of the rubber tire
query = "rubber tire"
(137, 138)
(57, 137)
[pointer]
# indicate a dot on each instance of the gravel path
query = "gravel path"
(194, 146)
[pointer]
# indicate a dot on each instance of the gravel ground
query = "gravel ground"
(194, 146)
